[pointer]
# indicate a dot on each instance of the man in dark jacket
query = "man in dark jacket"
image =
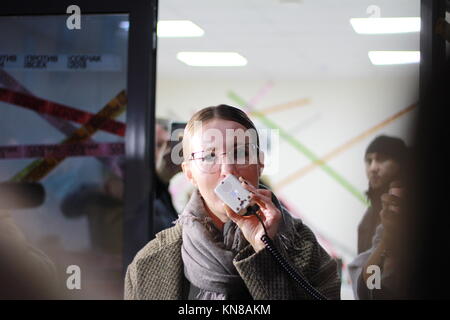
(166, 169)
(384, 158)
(385, 161)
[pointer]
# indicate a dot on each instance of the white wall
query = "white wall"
(339, 110)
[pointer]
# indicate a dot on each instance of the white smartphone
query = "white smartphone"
(233, 194)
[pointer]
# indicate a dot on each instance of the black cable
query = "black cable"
(294, 274)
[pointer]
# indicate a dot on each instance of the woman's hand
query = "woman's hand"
(250, 225)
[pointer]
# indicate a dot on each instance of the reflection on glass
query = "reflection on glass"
(63, 110)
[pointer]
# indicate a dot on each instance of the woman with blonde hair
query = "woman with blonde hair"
(212, 253)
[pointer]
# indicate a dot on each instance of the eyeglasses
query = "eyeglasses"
(242, 156)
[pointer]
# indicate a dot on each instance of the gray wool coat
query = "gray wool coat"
(157, 270)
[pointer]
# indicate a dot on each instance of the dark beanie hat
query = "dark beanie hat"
(394, 148)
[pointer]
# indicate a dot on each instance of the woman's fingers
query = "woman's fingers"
(267, 208)
(270, 212)
(263, 198)
(247, 185)
(232, 215)
(265, 195)
(265, 201)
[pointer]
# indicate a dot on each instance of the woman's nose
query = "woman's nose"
(228, 168)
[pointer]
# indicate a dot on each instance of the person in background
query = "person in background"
(384, 160)
(375, 273)
(164, 212)
(103, 206)
(26, 272)
(165, 169)
(380, 229)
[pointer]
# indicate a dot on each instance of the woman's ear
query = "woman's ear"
(188, 172)
(261, 169)
(261, 162)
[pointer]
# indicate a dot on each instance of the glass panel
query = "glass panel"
(62, 96)
(309, 74)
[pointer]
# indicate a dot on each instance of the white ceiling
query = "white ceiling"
(284, 39)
